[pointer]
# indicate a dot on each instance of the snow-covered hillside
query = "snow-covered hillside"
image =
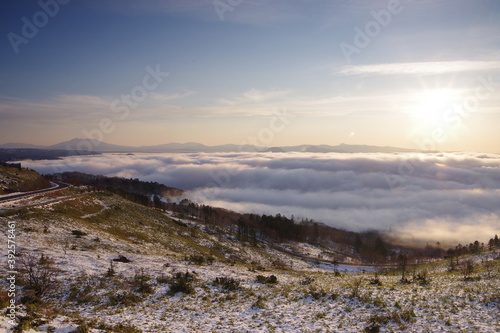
(121, 267)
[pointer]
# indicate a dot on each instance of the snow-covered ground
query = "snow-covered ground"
(308, 297)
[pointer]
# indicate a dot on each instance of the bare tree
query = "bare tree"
(488, 265)
(467, 268)
(403, 263)
(355, 285)
(40, 273)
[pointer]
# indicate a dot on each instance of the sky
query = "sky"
(414, 74)
(418, 197)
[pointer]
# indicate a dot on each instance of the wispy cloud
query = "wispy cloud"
(86, 101)
(418, 68)
(63, 108)
(256, 102)
(169, 97)
(255, 96)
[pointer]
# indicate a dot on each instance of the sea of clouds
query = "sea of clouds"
(446, 197)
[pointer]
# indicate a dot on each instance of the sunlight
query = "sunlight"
(431, 105)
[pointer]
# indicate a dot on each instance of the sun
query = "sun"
(430, 111)
(431, 105)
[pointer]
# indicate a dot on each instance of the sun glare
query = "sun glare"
(431, 105)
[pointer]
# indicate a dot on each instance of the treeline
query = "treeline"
(368, 246)
(277, 228)
(473, 248)
(17, 154)
(11, 164)
(132, 189)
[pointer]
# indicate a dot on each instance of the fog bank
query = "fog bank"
(436, 197)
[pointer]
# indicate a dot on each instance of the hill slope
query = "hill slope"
(20, 180)
(178, 275)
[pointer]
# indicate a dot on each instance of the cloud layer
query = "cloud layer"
(436, 197)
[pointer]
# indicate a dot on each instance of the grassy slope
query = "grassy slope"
(305, 299)
(20, 180)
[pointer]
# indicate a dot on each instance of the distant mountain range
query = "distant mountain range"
(88, 145)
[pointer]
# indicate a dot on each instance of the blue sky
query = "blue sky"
(427, 77)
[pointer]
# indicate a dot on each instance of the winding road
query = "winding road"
(57, 186)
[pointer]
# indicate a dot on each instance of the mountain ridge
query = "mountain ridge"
(78, 144)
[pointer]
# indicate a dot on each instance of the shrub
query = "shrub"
(30, 320)
(377, 301)
(379, 319)
(126, 299)
(307, 281)
(320, 315)
(315, 293)
(267, 280)
(81, 296)
(407, 315)
(259, 303)
(399, 317)
(278, 263)
(163, 279)
(78, 233)
(111, 271)
(376, 280)
(122, 328)
(122, 259)
(228, 284)
(181, 283)
(422, 277)
(404, 281)
(488, 265)
(25, 323)
(200, 260)
(372, 328)
(140, 283)
(355, 286)
(196, 259)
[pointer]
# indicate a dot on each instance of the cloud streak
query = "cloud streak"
(84, 108)
(419, 68)
(446, 197)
